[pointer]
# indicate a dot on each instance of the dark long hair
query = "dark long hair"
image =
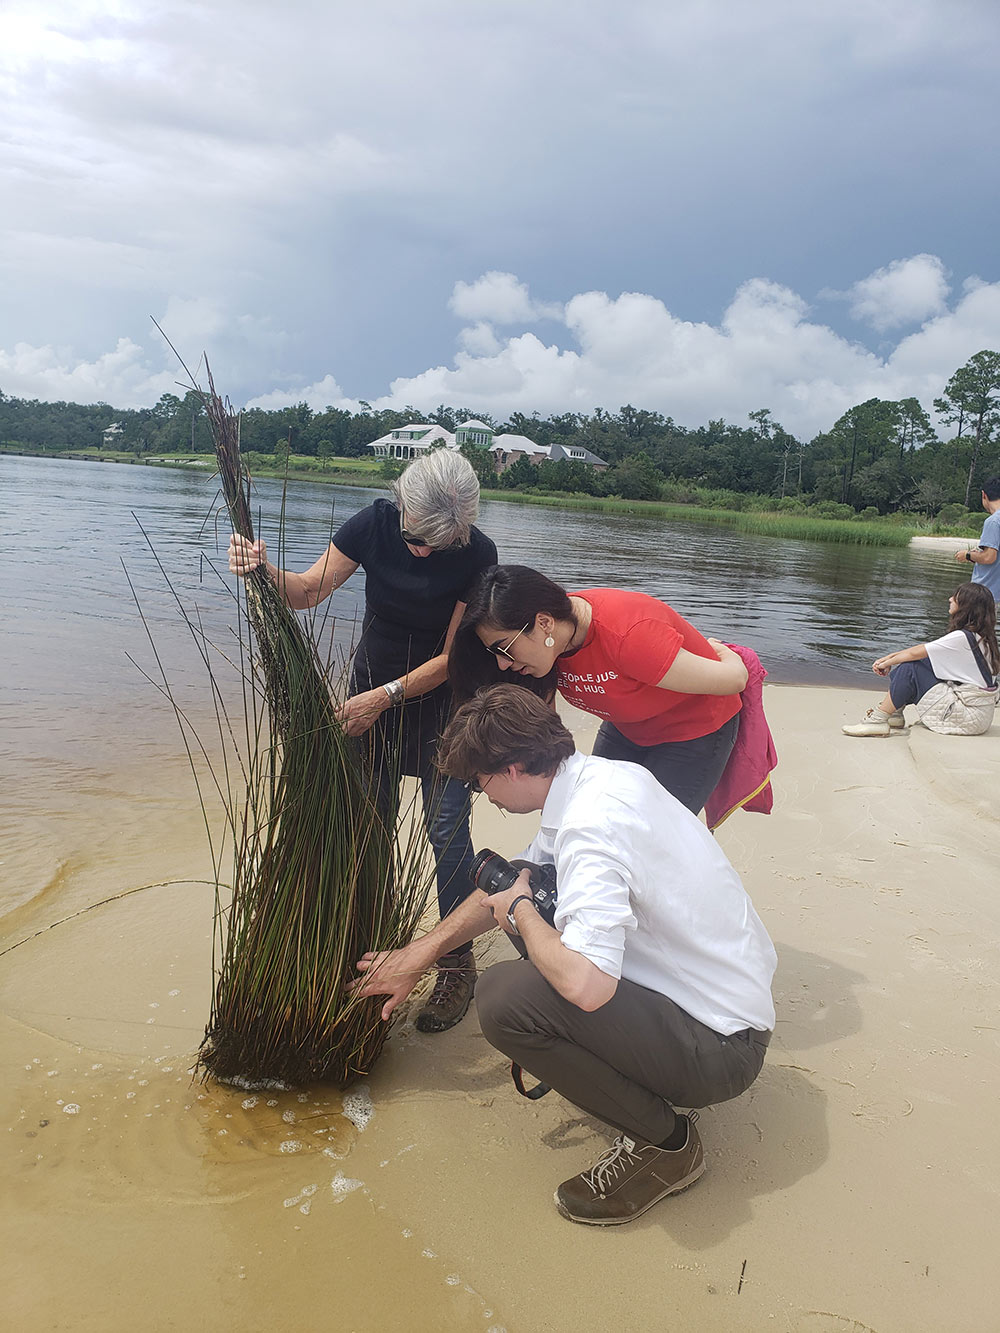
(976, 610)
(507, 597)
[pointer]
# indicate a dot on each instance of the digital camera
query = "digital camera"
(491, 873)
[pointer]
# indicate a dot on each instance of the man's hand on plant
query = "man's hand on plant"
(388, 972)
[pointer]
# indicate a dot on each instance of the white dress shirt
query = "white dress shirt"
(645, 893)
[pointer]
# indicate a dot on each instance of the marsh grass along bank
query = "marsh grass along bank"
(763, 523)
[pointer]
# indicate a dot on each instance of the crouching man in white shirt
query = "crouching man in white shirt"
(651, 990)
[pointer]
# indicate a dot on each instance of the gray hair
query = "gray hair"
(439, 493)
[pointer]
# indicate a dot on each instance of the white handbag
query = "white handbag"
(957, 710)
(960, 709)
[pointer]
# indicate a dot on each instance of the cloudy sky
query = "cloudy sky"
(703, 207)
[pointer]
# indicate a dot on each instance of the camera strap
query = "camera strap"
(532, 1094)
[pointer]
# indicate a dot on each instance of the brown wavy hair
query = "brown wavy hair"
(499, 726)
(976, 610)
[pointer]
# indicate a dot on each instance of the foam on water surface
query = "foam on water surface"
(342, 1185)
(358, 1108)
(254, 1084)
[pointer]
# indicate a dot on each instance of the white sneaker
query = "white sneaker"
(897, 722)
(868, 726)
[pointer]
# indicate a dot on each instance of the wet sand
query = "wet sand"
(853, 1187)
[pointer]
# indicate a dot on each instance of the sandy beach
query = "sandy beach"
(854, 1187)
(942, 543)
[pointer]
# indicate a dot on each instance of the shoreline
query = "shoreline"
(920, 542)
(772, 523)
(430, 1182)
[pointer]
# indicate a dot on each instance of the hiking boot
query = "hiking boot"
(629, 1178)
(869, 725)
(449, 1001)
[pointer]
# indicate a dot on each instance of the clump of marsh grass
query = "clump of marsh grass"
(763, 523)
(318, 875)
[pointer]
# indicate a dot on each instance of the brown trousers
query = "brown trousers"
(628, 1063)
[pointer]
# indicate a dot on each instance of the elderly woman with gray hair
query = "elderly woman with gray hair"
(420, 553)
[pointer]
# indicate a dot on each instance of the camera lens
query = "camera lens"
(491, 873)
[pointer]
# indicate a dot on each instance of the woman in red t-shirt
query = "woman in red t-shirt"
(668, 697)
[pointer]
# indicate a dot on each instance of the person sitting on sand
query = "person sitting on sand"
(669, 698)
(914, 671)
(651, 990)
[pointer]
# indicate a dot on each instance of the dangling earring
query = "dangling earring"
(549, 641)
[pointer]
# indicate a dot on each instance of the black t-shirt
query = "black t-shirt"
(410, 597)
(409, 602)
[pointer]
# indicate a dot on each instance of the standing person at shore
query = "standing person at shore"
(987, 558)
(420, 553)
(967, 655)
(668, 697)
(652, 987)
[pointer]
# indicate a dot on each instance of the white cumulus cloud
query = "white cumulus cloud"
(122, 377)
(324, 393)
(136, 375)
(768, 349)
(479, 339)
(904, 292)
(499, 298)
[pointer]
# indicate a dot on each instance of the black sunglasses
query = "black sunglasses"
(412, 539)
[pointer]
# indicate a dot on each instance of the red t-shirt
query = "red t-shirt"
(631, 643)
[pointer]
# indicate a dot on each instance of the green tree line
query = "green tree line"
(880, 456)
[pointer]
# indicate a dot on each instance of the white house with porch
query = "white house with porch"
(411, 441)
(415, 439)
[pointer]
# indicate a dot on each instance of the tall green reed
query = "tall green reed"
(319, 876)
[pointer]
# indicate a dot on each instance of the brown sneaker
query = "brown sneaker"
(449, 1001)
(629, 1178)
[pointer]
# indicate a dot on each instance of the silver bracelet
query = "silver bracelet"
(394, 689)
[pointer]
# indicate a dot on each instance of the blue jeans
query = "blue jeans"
(447, 807)
(910, 681)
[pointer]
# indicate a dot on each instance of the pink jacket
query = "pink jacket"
(746, 779)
